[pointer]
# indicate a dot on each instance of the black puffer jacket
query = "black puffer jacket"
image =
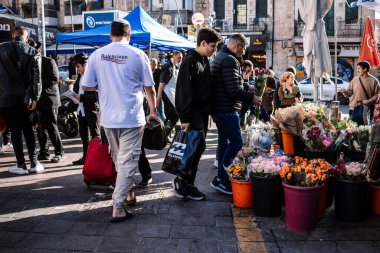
(20, 74)
(227, 83)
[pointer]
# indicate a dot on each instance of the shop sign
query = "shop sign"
(97, 19)
(257, 42)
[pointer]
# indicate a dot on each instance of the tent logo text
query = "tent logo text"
(5, 27)
(90, 22)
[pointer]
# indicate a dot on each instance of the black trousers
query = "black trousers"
(6, 136)
(17, 119)
(88, 125)
(170, 113)
(199, 123)
(144, 166)
(48, 127)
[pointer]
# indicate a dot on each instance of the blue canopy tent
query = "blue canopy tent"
(146, 34)
(69, 49)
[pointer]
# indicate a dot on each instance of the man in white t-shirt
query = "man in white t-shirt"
(120, 73)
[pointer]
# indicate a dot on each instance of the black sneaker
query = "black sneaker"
(222, 186)
(58, 158)
(194, 194)
(43, 157)
(80, 161)
(145, 181)
(180, 187)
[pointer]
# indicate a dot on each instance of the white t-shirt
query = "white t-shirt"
(120, 71)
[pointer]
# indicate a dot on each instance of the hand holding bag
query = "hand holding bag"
(154, 136)
(181, 152)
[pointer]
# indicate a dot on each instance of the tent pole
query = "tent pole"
(56, 51)
(150, 50)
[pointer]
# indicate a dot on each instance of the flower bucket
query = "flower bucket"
(242, 193)
(330, 156)
(268, 195)
(375, 199)
(351, 200)
(287, 142)
(301, 206)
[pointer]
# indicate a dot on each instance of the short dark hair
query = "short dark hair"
(291, 69)
(20, 31)
(239, 37)
(247, 63)
(209, 35)
(364, 65)
(120, 29)
(81, 58)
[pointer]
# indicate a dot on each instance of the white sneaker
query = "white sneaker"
(18, 170)
(8, 147)
(216, 163)
(37, 168)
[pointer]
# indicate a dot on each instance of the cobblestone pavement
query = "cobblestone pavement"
(56, 212)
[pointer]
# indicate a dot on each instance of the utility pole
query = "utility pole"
(41, 26)
(72, 22)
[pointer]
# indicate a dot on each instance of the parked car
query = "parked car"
(307, 89)
(63, 72)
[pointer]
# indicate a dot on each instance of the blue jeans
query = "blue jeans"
(230, 140)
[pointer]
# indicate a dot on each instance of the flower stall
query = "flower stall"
(330, 167)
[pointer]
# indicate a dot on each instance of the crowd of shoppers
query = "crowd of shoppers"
(110, 90)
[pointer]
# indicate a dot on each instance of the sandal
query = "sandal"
(122, 218)
(131, 202)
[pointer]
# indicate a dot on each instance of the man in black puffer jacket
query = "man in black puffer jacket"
(20, 89)
(192, 102)
(228, 95)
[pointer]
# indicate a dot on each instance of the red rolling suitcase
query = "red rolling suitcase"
(99, 168)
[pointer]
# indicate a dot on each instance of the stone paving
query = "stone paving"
(56, 212)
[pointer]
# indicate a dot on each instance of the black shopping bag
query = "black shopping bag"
(181, 152)
(154, 136)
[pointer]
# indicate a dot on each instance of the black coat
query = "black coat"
(50, 85)
(20, 74)
(227, 83)
(193, 89)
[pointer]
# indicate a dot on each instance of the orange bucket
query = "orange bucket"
(375, 199)
(322, 201)
(242, 193)
(287, 142)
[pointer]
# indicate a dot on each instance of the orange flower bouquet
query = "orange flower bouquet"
(303, 172)
(238, 172)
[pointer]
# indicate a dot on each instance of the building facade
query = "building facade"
(273, 27)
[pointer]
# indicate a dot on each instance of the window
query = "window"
(351, 13)
(240, 14)
(219, 9)
(261, 8)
